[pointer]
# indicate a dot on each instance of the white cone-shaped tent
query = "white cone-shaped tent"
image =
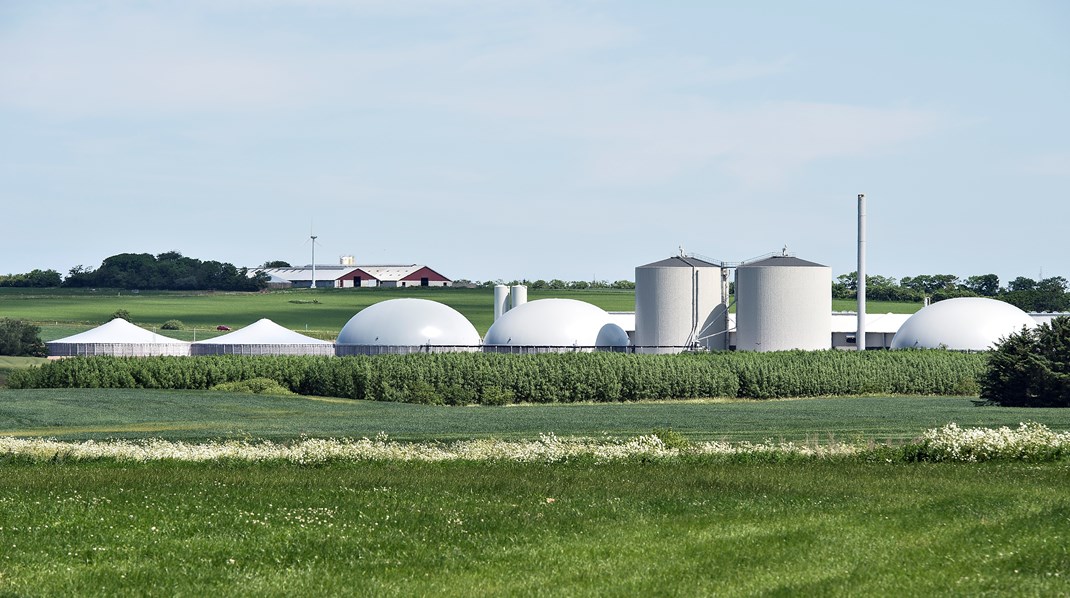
(118, 338)
(263, 337)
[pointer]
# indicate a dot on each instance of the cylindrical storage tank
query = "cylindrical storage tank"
(406, 326)
(679, 305)
(501, 300)
(518, 295)
(783, 303)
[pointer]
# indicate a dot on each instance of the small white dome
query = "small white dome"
(408, 323)
(963, 324)
(556, 323)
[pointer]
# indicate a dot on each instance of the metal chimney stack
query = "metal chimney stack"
(860, 335)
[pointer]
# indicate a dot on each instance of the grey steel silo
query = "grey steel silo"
(679, 305)
(783, 303)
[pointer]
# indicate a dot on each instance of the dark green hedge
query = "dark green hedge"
(459, 378)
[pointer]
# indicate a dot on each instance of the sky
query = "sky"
(513, 139)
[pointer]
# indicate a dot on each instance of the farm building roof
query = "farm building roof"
(383, 272)
(305, 272)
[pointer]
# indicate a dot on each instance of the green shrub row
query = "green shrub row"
(463, 378)
(843, 373)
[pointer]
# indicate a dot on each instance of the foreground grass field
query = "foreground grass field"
(79, 414)
(695, 525)
(464, 529)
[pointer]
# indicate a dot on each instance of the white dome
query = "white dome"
(556, 323)
(408, 323)
(963, 324)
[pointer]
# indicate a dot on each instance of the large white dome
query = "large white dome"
(963, 324)
(408, 323)
(558, 323)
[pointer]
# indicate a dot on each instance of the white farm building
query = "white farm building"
(349, 275)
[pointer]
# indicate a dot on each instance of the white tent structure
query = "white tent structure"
(117, 338)
(263, 337)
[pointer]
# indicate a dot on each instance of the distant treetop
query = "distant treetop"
(167, 271)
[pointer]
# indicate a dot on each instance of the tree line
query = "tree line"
(169, 271)
(1048, 294)
(172, 271)
(33, 279)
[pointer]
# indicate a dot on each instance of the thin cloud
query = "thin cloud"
(1056, 164)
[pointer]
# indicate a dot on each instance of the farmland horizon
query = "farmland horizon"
(321, 312)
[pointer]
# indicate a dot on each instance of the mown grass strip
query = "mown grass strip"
(195, 415)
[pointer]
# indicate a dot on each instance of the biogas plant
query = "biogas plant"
(682, 303)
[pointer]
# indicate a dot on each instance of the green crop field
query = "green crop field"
(189, 415)
(876, 307)
(321, 313)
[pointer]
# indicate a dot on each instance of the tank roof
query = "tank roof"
(681, 262)
(781, 260)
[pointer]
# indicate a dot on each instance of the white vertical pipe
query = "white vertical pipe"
(501, 300)
(518, 295)
(860, 335)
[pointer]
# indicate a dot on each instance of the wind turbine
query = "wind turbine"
(312, 236)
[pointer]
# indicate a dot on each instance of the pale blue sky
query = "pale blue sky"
(514, 139)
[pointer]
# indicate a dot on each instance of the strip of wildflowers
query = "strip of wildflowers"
(1028, 442)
